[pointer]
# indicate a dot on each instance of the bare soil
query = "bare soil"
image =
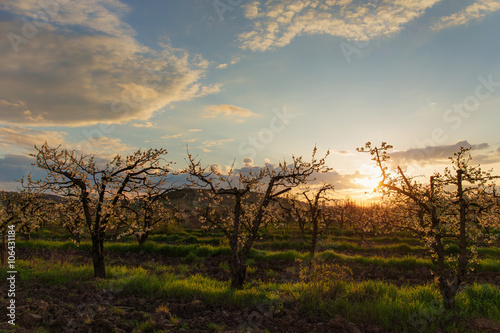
(81, 306)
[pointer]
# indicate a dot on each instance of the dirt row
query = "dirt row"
(81, 306)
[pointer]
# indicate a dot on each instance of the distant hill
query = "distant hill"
(50, 197)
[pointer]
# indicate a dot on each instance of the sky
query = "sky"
(252, 82)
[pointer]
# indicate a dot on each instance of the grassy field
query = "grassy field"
(179, 282)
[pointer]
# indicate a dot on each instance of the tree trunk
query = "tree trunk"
(238, 265)
(98, 257)
(449, 291)
(463, 258)
(142, 238)
(239, 272)
(314, 239)
(302, 223)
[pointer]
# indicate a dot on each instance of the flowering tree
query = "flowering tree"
(20, 212)
(240, 205)
(459, 206)
(342, 211)
(148, 207)
(369, 218)
(70, 214)
(294, 210)
(99, 189)
(312, 208)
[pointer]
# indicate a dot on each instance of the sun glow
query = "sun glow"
(369, 182)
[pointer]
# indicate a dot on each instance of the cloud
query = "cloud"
(13, 137)
(340, 181)
(173, 136)
(103, 147)
(475, 11)
(195, 130)
(236, 59)
(12, 167)
(229, 111)
(83, 66)
(213, 143)
(208, 144)
(432, 154)
(26, 138)
(221, 66)
(247, 161)
(103, 16)
(341, 152)
(146, 124)
(277, 23)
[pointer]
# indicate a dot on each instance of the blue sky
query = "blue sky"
(260, 80)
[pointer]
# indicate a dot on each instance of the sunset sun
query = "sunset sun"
(370, 182)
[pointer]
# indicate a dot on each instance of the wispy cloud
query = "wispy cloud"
(475, 11)
(211, 143)
(84, 67)
(146, 124)
(207, 145)
(172, 136)
(276, 23)
(103, 147)
(229, 111)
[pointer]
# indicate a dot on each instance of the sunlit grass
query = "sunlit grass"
(394, 308)
(50, 272)
(191, 252)
(355, 247)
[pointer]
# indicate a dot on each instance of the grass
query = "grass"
(413, 309)
(408, 308)
(192, 252)
(50, 272)
(489, 265)
(395, 308)
(139, 282)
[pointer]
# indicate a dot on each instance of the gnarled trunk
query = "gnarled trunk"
(98, 257)
(142, 238)
(314, 237)
(449, 291)
(239, 272)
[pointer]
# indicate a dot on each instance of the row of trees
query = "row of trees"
(459, 206)
(315, 211)
(128, 196)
